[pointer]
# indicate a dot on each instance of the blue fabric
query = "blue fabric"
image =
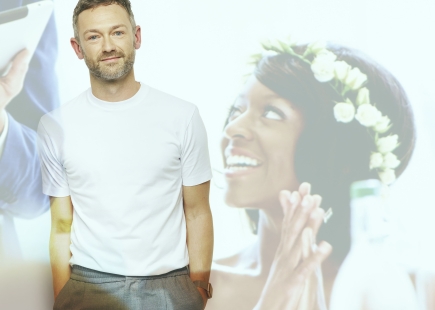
(20, 175)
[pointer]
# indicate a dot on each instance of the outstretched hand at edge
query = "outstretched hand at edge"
(12, 83)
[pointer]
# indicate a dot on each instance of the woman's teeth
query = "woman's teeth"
(240, 162)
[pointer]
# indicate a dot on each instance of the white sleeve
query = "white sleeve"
(4, 133)
(54, 178)
(195, 160)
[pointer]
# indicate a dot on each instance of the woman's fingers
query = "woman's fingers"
(308, 266)
(286, 205)
(316, 220)
(317, 200)
(317, 215)
(289, 203)
(293, 227)
(302, 249)
(305, 189)
(302, 220)
(294, 255)
(302, 214)
(307, 237)
(302, 279)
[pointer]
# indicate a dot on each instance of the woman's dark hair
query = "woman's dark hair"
(331, 155)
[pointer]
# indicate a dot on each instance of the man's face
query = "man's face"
(107, 41)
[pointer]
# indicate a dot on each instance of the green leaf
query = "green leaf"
(266, 45)
(254, 59)
(285, 47)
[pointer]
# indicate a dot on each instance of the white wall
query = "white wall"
(197, 50)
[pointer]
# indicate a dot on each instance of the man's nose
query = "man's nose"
(108, 45)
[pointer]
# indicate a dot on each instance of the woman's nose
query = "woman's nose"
(240, 127)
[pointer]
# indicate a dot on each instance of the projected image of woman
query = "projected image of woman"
(309, 121)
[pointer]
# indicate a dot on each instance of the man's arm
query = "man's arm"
(199, 225)
(60, 240)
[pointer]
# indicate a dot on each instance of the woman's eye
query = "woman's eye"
(273, 113)
(234, 113)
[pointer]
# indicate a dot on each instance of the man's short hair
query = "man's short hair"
(84, 5)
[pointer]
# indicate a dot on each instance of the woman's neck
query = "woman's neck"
(269, 236)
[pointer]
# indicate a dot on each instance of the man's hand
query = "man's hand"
(203, 294)
(12, 83)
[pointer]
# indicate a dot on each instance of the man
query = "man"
(20, 111)
(121, 163)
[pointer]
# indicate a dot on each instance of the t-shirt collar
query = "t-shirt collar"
(119, 105)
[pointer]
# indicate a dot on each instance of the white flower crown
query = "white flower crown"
(345, 79)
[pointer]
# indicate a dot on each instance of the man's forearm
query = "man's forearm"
(200, 246)
(59, 258)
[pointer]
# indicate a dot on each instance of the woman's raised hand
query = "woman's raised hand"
(292, 281)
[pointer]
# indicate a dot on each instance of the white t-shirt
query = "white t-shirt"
(124, 164)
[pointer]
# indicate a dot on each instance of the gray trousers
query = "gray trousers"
(89, 289)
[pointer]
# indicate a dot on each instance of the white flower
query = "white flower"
(344, 112)
(388, 176)
(387, 144)
(341, 70)
(355, 79)
(376, 160)
(363, 96)
(391, 161)
(368, 115)
(317, 46)
(382, 125)
(323, 66)
(326, 55)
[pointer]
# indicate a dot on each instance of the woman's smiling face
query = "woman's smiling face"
(258, 147)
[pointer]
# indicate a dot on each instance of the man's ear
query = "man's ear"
(77, 48)
(137, 37)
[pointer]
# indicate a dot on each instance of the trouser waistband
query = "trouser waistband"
(84, 274)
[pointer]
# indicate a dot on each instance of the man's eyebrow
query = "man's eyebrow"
(98, 31)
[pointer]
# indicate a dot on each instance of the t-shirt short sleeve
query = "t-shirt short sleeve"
(54, 178)
(195, 159)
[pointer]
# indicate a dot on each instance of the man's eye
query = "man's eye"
(273, 113)
(119, 33)
(92, 37)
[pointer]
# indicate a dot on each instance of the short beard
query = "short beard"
(105, 73)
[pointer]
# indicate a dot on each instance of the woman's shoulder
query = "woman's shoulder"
(244, 261)
(237, 280)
